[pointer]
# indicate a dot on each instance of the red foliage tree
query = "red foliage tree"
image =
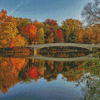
(59, 36)
(51, 22)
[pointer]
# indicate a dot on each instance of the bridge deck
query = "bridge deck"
(87, 46)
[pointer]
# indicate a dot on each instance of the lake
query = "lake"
(22, 78)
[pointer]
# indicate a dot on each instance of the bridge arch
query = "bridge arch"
(87, 46)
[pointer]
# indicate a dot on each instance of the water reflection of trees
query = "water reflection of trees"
(9, 70)
(14, 70)
(63, 52)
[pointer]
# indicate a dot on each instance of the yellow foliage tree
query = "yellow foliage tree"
(71, 26)
(8, 29)
(40, 35)
(96, 33)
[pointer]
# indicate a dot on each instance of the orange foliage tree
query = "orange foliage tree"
(30, 32)
(79, 36)
(18, 41)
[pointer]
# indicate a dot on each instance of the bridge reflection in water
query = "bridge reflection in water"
(87, 46)
(63, 59)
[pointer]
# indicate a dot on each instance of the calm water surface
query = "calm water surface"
(42, 90)
(34, 79)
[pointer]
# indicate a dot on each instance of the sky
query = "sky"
(41, 10)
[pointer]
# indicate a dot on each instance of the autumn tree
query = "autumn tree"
(40, 31)
(18, 41)
(79, 36)
(22, 22)
(46, 32)
(70, 26)
(40, 35)
(88, 35)
(50, 38)
(30, 32)
(8, 29)
(96, 33)
(84, 35)
(59, 36)
(49, 26)
(63, 28)
(52, 23)
(91, 13)
(38, 24)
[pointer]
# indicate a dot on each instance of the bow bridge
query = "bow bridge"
(86, 46)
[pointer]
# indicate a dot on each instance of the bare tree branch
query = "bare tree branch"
(91, 13)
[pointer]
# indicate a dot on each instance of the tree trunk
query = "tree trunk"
(30, 42)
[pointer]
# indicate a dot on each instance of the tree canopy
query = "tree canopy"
(91, 13)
